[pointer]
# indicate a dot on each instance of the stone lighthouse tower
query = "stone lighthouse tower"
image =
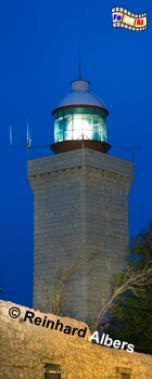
(80, 209)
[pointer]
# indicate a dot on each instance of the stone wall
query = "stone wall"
(26, 348)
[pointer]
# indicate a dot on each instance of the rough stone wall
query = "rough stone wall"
(80, 211)
(26, 348)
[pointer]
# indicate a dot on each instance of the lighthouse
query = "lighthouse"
(80, 209)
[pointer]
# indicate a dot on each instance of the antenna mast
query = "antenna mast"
(10, 135)
(28, 138)
(80, 65)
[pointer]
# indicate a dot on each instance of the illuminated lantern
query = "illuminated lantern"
(80, 118)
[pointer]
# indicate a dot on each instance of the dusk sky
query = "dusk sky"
(39, 58)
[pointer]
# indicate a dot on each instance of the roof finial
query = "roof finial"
(80, 68)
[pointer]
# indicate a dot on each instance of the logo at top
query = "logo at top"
(121, 18)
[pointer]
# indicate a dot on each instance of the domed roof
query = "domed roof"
(81, 95)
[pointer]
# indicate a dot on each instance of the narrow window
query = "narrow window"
(52, 371)
(123, 373)
(125, 376)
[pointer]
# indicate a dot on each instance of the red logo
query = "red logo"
(140, 21)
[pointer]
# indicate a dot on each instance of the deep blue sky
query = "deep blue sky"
(38, 59)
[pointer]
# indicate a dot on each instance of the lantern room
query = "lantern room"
(80, 118)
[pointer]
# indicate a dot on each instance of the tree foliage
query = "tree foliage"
(131, 313)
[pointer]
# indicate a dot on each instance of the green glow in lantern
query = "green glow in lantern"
(80, 124)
